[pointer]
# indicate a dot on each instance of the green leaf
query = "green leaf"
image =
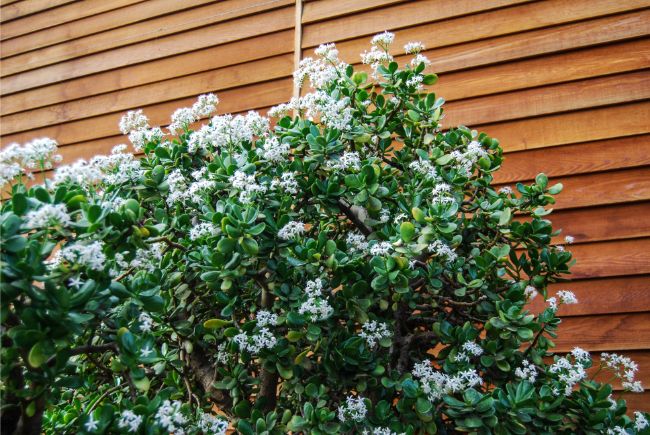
(444, 159)
(555, 189)
(19, 203)
(506, 214)
(37, 355)
(226, 245)
(250, 246)
(215, 323)
(407, 231)
(541, 180)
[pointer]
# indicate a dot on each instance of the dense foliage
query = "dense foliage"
(350, 269)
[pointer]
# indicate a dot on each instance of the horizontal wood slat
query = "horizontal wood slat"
(620, 88)
(172, 89)
(207, 15)
(134, 75)
(229, 31)
(608, 259)
(635, 401)
(573, 127)
(28, 7)
(614, 332)
(324, 9)
(575, 159)
(238, 99)
(601, 296)
(44, 23)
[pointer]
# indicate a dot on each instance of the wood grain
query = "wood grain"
(325, 9)
(613, 332)
(609, 259)
(28, 7)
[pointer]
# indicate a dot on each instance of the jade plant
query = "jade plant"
(345, 265)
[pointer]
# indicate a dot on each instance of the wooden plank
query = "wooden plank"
(157, 70)
(28, 7)
(326, 9)
(500, 23)
(602, 91)
(596, 224)
(601, 296)
(635, 401)
(608, 259)
(618, 153)
(96, 16)
(185, 20)
(221, 33)
(573, 127)
(615, 187)
(51, 22)
(172, 89)
(556, 68)
(615, 332)
(402, 15)
(208, 15)
(235, 100)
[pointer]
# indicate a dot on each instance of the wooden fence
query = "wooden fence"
(564, 84)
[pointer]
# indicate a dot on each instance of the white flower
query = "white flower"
(425, 168)
(49, 215)
(567, 297)
(88, 255)
(346, 161)
(413, 47)
(80, 172)
(263, 339)
(212, 425)
(205, 105)
(356, 242)
(436, 384)
(381, 249)
(247, 185)
(580, 354)
(287, 183)
(76, 282)
(440, 249)
(420, 58)
(323, 71)
(622, 366)
(415, 81)
(328, 52)
(634, 387)
(373, 332)
(469, 349)
(291, 230)
(146, 322)
(169, 416)
(376, 57)
(129, 420)
(134, 120)
(273, 150)
(568, 374)
(222, 357)
(530, 293)
(146, 351)
(640, 422)
(441, 194)
(181, 118)
(140, 138)
(353, 409)
(552, 303)
(203, 229)
(506, 190)
(91, 425)
(266, 318)
(527, 371)
(383, 40)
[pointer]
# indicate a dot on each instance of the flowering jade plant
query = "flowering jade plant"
(345, 268)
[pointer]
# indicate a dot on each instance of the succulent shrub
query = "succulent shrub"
(345, 268)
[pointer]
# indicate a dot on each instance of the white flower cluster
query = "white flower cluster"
(49, 215)
(273, 150)
(569, 239)
(316, 307)
(425, 168)
(333, 112)
(287, 182)
(356, 242)
(212, 425)
(413, 47)
(624, 368)
(469, 349)
(527, 371)
(506, 190)
(467, 159)
(203, 229)
(222, 357)
(89, 255)
(140, 138)
(291, 230)
(118, 167)
(322, 71)
(568, 374)
(381, 249)
(378, 54)
(146, 259)
(442, 250)
(373, 332)
(247, 186)
(530, 292)
(347, 160)
(146, 322)
(80, 172)
(436, 384)
(265, 318)
(136, 125)
(381, 431)
(564, 296)
(182, 118)
(640, 422)
(129, 421)
(441, 194)
(263, 339)
(205, 105)
(38, 154)
(170, 417)
(353, 409)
